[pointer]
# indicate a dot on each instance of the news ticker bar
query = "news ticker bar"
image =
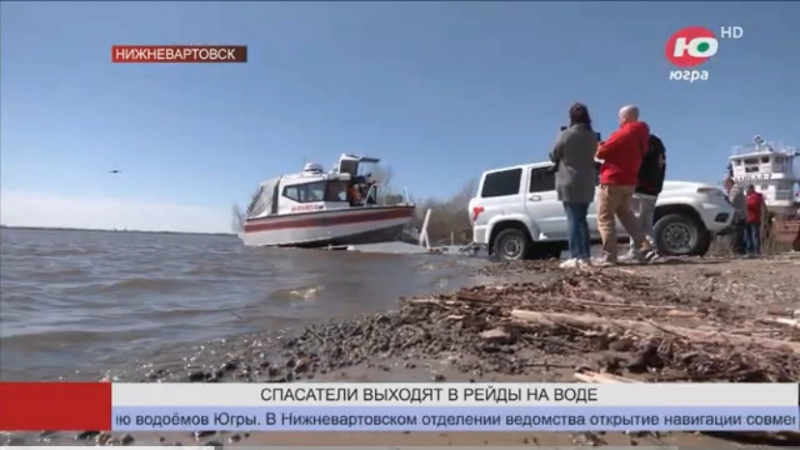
(479, 418)
(179, 53)
(398, 406)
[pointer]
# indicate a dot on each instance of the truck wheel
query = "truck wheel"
(705, 244)
(680, 235)
(511, 244)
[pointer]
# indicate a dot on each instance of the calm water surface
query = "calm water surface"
(76, 304)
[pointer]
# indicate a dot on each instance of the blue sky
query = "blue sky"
(440, 90)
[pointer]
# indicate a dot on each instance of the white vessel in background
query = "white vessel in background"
(769, 167)
(313, 208)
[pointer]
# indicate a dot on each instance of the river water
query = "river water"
(86, 304)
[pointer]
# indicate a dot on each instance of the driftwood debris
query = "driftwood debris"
(775, 311)
(781, 321)
(424, 301)
(607, 304)
(617, 323)
(593, 322)
(598, 377)
(473, 298)
(680, 313)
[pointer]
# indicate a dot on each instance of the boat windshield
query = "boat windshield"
(256, 205)
(263, 201)
(318, 191)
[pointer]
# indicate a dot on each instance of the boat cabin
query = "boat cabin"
(770, 169)
(314, 190)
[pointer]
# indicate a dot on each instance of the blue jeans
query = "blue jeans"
(752, 238)
(578, 229)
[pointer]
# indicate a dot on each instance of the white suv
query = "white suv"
(517, 215)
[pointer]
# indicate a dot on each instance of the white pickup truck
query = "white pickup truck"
(517, 215)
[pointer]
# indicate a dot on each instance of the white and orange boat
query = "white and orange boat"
(314, 209)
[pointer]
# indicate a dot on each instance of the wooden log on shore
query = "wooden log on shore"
(605, 304)
(598, 377)
(792, 323)
(593, 322)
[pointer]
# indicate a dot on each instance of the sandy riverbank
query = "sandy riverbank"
(679, 320)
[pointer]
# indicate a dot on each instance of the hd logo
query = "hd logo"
(693, 46)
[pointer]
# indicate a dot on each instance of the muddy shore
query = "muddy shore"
(702, 320)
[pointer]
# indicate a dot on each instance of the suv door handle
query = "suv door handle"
(534, 198)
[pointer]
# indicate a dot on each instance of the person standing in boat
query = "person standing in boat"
(353, 194)
(576, 173)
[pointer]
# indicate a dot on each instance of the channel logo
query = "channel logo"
(693, 46)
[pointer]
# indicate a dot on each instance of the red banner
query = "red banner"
(55, 406)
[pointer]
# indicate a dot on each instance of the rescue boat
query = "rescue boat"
(314, 208)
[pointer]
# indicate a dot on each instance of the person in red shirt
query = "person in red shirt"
(353, 196)
(622, 156)
(752, 230)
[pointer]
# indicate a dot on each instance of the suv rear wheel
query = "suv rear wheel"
(511, 244)
(680, 235)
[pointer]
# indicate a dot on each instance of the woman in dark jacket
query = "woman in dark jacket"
(576, 176)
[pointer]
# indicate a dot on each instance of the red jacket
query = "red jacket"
(622, 154)
(755, 203)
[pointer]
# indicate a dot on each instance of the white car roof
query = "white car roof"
(536, 165)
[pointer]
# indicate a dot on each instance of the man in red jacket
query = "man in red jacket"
(622, 156)
(752, 228)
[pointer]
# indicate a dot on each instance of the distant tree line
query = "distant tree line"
(449, 221)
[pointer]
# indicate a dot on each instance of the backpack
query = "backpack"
(651, 175)
(656, 145)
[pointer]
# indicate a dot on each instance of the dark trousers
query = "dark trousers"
(578, 229)
(752, 238)
(738, 237)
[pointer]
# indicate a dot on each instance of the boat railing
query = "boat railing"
(763, 147)
(372, 192)
(380, 200)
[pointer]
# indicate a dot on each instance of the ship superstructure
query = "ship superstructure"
(769, 167)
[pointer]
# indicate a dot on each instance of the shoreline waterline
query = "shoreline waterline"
(441, 337)
(117, 301)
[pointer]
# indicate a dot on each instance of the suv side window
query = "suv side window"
(542, 179)
(499, 184)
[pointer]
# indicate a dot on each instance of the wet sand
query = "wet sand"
(473, 335)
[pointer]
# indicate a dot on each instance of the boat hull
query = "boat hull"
(330, 227)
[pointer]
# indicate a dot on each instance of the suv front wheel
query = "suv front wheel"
(511, 244)
(680, 235)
